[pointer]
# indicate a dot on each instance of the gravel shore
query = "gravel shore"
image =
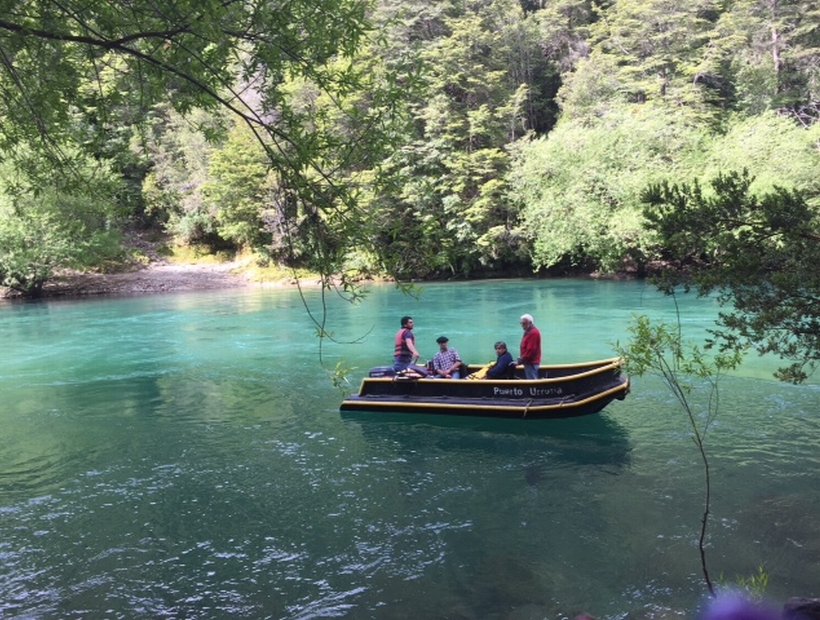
(152, 279)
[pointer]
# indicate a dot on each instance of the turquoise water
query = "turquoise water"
(184, 456)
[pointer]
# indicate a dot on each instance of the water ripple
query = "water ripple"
(185, 457)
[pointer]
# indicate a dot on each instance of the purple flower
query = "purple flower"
(735, 607)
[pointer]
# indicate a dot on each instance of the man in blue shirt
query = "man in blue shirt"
(504, 367)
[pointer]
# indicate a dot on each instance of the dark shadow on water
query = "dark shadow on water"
(596, 439)
(597, 424)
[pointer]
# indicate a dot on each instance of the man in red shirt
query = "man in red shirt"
(530, 351)
(404, 349)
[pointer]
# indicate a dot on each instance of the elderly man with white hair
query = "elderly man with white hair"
(529, 353)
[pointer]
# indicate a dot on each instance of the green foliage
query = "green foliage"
(658, 47)
(90, 67)
(758, 252)
(774, 51)
(46, 226)
(445, 209)
(238, 188)
(660, 349)
(754, 585)
(340, 377)
(563, 29)
(418, 139)
(591, 90)
(33, 246)
(580, 188)
(180, 148)
(773, 148)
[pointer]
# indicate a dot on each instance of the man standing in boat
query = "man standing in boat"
(529, 353)
(404, 350)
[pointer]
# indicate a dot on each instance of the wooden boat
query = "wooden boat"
(561, 391)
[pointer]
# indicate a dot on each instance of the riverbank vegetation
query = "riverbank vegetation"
(422, 140)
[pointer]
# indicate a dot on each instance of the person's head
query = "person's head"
(442, 342)
(526, 321)
(407, 321)
(500, 347)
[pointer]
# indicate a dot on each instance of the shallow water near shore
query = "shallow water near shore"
(183, 456)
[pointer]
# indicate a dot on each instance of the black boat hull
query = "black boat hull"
(567, 390)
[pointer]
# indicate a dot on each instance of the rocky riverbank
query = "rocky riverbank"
(157, 276)
(152, 279)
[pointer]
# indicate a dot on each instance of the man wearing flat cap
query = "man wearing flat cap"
(446, 362)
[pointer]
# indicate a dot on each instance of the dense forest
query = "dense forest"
(443, 138)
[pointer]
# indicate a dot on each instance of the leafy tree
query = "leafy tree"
(62, 61)
(401, 135)
(772, 147)
(580, 187)
(238, 189)
(535, 47)
(757, 252)
(179, 149)
(773, 47)
(658, 47)
(446, 211)
(563, 27)
(592, 90)
(48, 225)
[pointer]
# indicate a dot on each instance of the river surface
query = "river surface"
(183, 456)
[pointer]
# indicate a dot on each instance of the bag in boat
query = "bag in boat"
(481, 373)
(382, 371)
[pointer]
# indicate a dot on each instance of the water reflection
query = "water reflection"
(590, 440)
